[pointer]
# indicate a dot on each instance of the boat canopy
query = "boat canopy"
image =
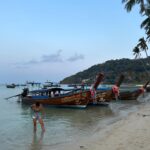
(53, 90)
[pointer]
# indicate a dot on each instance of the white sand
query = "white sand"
(130, 133)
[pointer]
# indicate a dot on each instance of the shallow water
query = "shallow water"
(62, 124)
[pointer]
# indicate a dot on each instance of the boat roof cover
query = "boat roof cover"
(53, 90)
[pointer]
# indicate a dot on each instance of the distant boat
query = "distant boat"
(49, 84)
(33, 83)
(23, 85)
(72, 85)
(11, 85)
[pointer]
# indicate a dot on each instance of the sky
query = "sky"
(44, 40)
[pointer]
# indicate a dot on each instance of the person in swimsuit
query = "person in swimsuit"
(38, 111)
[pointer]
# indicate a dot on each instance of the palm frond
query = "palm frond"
(146, 23)
(142, 44)
(129, 4)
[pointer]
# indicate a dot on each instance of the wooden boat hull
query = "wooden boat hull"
(102, 98)
(133, 95)
(108, 94)
(127, 95)
(130, 95)
(79, 100)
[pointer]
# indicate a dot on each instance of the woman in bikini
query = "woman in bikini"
(38, 112)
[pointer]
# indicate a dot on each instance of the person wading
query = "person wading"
(38, 112)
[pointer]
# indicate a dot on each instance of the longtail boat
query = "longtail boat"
(112, 93)
(60, 97)
(57, 97)
(133, 95)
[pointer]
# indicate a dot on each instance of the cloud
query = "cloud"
(25, 65)
(76, 57)
(21, 66)
(31, 62)
(53, 57)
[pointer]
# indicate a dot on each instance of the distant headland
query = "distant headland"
(135, 71)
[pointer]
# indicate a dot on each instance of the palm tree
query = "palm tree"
(146, 25)
(129, 4)
(144, 10)
(136, 52)
(143, 46)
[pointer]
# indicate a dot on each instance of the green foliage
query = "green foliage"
(135, 71)
(144, 6)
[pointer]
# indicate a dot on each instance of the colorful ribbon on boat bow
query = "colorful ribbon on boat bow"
(141, 90)
(93, 93)
(115, 90)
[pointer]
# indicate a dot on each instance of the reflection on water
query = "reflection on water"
(37, 141)
(62, 124)
(69, 123)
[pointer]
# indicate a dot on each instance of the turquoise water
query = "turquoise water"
(62, 125)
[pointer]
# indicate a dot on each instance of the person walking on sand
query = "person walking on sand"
(38, 112)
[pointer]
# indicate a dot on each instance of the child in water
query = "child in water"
(38, 110)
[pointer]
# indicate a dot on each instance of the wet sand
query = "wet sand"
(130, 133)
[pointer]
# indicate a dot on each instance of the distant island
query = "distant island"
(135, 71)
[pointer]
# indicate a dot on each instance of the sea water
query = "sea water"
(63, 125)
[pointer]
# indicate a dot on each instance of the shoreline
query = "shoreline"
(131, 132)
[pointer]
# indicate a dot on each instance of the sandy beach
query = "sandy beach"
(130, 133)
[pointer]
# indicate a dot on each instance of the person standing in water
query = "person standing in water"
(38, 112)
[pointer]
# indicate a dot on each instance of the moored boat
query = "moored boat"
(11, 85)
(60, 97)
(111, 93)
(133, 95)
(57, 97)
